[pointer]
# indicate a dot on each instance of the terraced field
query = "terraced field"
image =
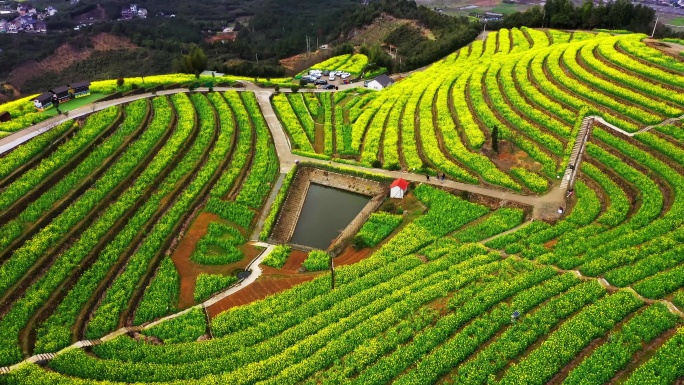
(468, 290)
(534, 86)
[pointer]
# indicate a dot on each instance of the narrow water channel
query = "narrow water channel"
(326, 212)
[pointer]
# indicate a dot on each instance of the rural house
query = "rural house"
(398, 188)
(382, 81)
(62, 93)
(43, 101)
(80, 89)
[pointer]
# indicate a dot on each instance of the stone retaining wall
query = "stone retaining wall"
(292, 207)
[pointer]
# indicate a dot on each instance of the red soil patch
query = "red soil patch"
(222, 36)
(260, 289)
(66, 55)
(350, 256)
(294, 262)
(189, 270)
(487, 3)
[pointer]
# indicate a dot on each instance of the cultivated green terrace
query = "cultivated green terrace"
(145, 208)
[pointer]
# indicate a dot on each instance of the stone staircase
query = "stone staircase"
(576, 155)
(287, 220)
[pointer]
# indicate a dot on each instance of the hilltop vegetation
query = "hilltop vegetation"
(468, 290)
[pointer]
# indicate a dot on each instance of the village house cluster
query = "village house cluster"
(62, 94)
(29, 20)
(133, 12)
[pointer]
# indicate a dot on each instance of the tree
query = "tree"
(120, 82)
(194, 62)
(495, 139)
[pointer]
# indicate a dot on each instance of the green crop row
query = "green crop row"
(94, 127)
(296, 101)
(445, 122)
(270, 220)
(529, 328)
(25, 152)
(378, 226)
(314, 332)
(432, 350)
(665, 367)
(491, 80)
(493, 224)
(530, 179)
(223, 237)
(570, 338)
(135, 115)
(256, 187)
(327, 109)
(106, 316)
(187, 327)
(278, 256)
(25, 257)
(602, 365)
(233, 109)
(161, 295)
(291, 123)
(642, 51)
(317, 260)
(208, 284)
(55, 332)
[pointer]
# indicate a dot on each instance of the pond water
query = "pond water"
(326, 212)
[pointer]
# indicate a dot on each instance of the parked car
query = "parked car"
(321, 82)
(326, 73)
(345, 76)
(331, 77)
(329, 87)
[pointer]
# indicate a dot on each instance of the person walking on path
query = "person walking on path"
(443, 176)
(428, 177)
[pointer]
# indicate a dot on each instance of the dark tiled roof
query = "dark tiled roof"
(44, 97)
(80, 84)
(60, 90)
(384, 80)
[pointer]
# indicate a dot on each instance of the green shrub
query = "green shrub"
(185, 328)
(530, 179)
(317, 260)
(208, 284)
(278, 256)
(221, 237)
(376, 228)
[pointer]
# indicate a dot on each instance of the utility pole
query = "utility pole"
(257, 57)
(655, 25)
(484, 32)
(332, 273)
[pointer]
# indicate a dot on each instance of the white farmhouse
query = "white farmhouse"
(382, 81)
